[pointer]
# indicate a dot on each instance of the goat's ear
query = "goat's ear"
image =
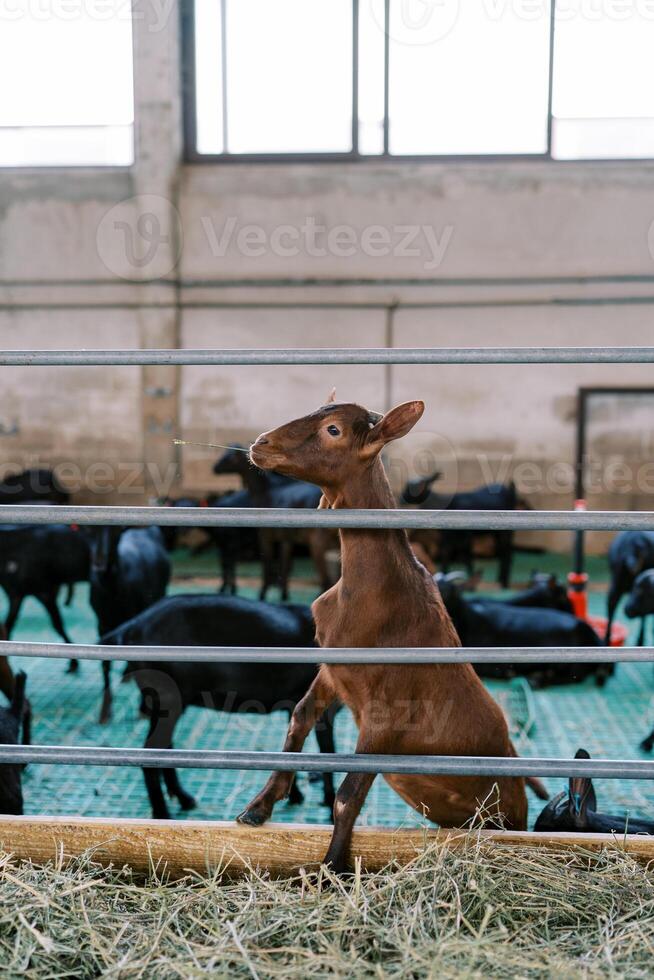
(395, 424)
(331, 398)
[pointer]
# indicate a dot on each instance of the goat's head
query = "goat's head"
(103, 542)
(417, 491)
(641, 597)
(569, 811)
(335, 444)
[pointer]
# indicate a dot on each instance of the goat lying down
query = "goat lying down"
(482, 622)
(577, 810)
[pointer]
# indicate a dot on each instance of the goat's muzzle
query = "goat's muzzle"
(263, 455)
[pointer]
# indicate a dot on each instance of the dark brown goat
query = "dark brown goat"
(385, 598)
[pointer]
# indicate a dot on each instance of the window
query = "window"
(481, 87)
(274, 76)
(66, 79)
(419, 78)
(603, 92)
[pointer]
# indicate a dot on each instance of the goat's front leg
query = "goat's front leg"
(49, 602)
(616, 592)
(350, 798)
(317, 699)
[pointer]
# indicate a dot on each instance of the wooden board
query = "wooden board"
(198, 845)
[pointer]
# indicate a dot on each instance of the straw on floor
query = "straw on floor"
(480, 911)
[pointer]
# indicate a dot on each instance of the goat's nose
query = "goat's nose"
(261, 441)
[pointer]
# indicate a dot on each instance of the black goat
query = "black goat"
(631, 552)
(32, 486)
(231, 542)
(8, 688)
(544, 592)
(640, 603)
(168, 688)
(576, 810)
(228, 541)
(130, 571)
(458, 545)
(11, 794)
(267, 489)
(38, 561)
(173, 536)
(488, 623)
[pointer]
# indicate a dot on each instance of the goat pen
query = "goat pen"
(196, 844)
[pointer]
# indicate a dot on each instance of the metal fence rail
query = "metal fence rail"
(476, 520)
(343, 355)
(376, 519)
(325, 762)
(333, 655)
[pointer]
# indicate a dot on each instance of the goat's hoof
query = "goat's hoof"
(186, 801)
(647, 744)
(337, 867)
(73, 667)
(296, 798)
(163, 815)
(252, 817)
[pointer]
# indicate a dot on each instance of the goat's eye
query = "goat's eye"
(333, 430)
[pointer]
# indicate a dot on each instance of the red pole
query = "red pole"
(578, 580)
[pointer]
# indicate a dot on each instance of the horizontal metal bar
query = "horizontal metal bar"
(314, 655)
(482, 520)
(316, 762)
(343, 355)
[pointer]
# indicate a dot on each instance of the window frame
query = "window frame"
(193, 156)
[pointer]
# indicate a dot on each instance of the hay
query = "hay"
(479, 911)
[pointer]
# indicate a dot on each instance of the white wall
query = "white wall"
(532, 254)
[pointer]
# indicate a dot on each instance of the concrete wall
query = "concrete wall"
(318, 255)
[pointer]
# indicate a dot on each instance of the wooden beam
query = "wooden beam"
(198, 845)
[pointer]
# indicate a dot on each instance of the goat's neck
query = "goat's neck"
(384, 553)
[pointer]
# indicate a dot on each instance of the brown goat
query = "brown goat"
(385, 598)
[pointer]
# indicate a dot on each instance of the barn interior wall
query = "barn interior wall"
(367, 254)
